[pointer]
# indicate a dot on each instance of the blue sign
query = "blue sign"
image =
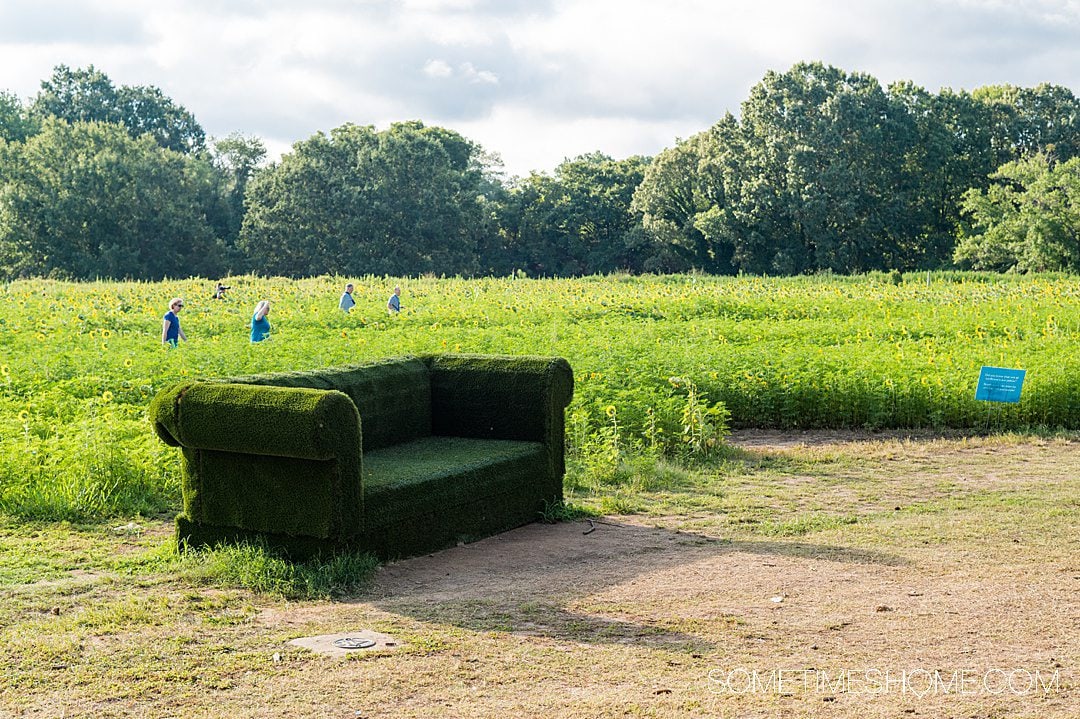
(997, 384)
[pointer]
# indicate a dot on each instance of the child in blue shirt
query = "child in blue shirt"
(260, 325)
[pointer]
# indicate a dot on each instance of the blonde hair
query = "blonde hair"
(176, 301)
(263, 304)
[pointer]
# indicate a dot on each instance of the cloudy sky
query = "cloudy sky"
(534, 81)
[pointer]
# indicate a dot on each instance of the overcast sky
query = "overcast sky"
(535, 82)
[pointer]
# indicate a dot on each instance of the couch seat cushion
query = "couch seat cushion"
(433, 473)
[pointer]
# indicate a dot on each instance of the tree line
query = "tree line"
(823, 170)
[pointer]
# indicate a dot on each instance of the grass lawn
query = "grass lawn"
(802, 575)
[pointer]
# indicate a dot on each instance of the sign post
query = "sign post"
(999, 384)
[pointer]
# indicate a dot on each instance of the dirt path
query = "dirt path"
(936, 614)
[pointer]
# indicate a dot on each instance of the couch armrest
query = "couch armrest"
(261, 420)
(500, 397)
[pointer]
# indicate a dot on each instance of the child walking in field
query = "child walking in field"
(260, 325)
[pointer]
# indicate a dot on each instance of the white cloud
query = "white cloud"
(534, 81)
(441, 70)
(438, 68)
(483, 77)
(527, 139)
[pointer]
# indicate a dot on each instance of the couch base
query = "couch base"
(410, 536)
(196, 535)
(426, 532)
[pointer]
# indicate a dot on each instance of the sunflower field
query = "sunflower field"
(662, 364)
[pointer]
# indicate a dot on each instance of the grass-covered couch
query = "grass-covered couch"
(398, 457)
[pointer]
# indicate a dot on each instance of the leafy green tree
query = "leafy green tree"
(147, 110)
(1032, 120)
(78, 96)
(825, 153)
(236, 159)
(1027, 220)
(825, 170)
(814, 176)
(723, 185)
(429, 192)
(15, 123)
(305, 215)
(670, 201)
(580, 221)
(86, 200)
(88, 95)
(951, 153)
(408, 200)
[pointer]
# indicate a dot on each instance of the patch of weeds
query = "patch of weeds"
(744, 513)
(620, 503)
(605, 455)
(532, 609)
(160, 558)
(254, 567)
(561, 511)
(650, 474)
(799, 460)
(131, 611)
(805, 524)
(231, 617)
(642, 480)
(480, 615)
(29, 656)
(35, 552)
(424, 644)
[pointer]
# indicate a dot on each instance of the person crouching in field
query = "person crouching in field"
(393, 305)
(171, 334)
(260, 325)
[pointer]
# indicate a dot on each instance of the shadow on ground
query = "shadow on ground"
(523, 581)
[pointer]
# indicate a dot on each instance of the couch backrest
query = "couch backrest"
(393, 396)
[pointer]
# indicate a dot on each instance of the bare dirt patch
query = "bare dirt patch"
(938, 613)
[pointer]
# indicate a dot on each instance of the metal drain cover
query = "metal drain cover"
(354, 643)
(343, 644)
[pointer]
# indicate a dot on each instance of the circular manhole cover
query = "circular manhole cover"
(354, 643)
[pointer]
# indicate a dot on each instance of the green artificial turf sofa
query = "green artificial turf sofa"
(398, 457)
